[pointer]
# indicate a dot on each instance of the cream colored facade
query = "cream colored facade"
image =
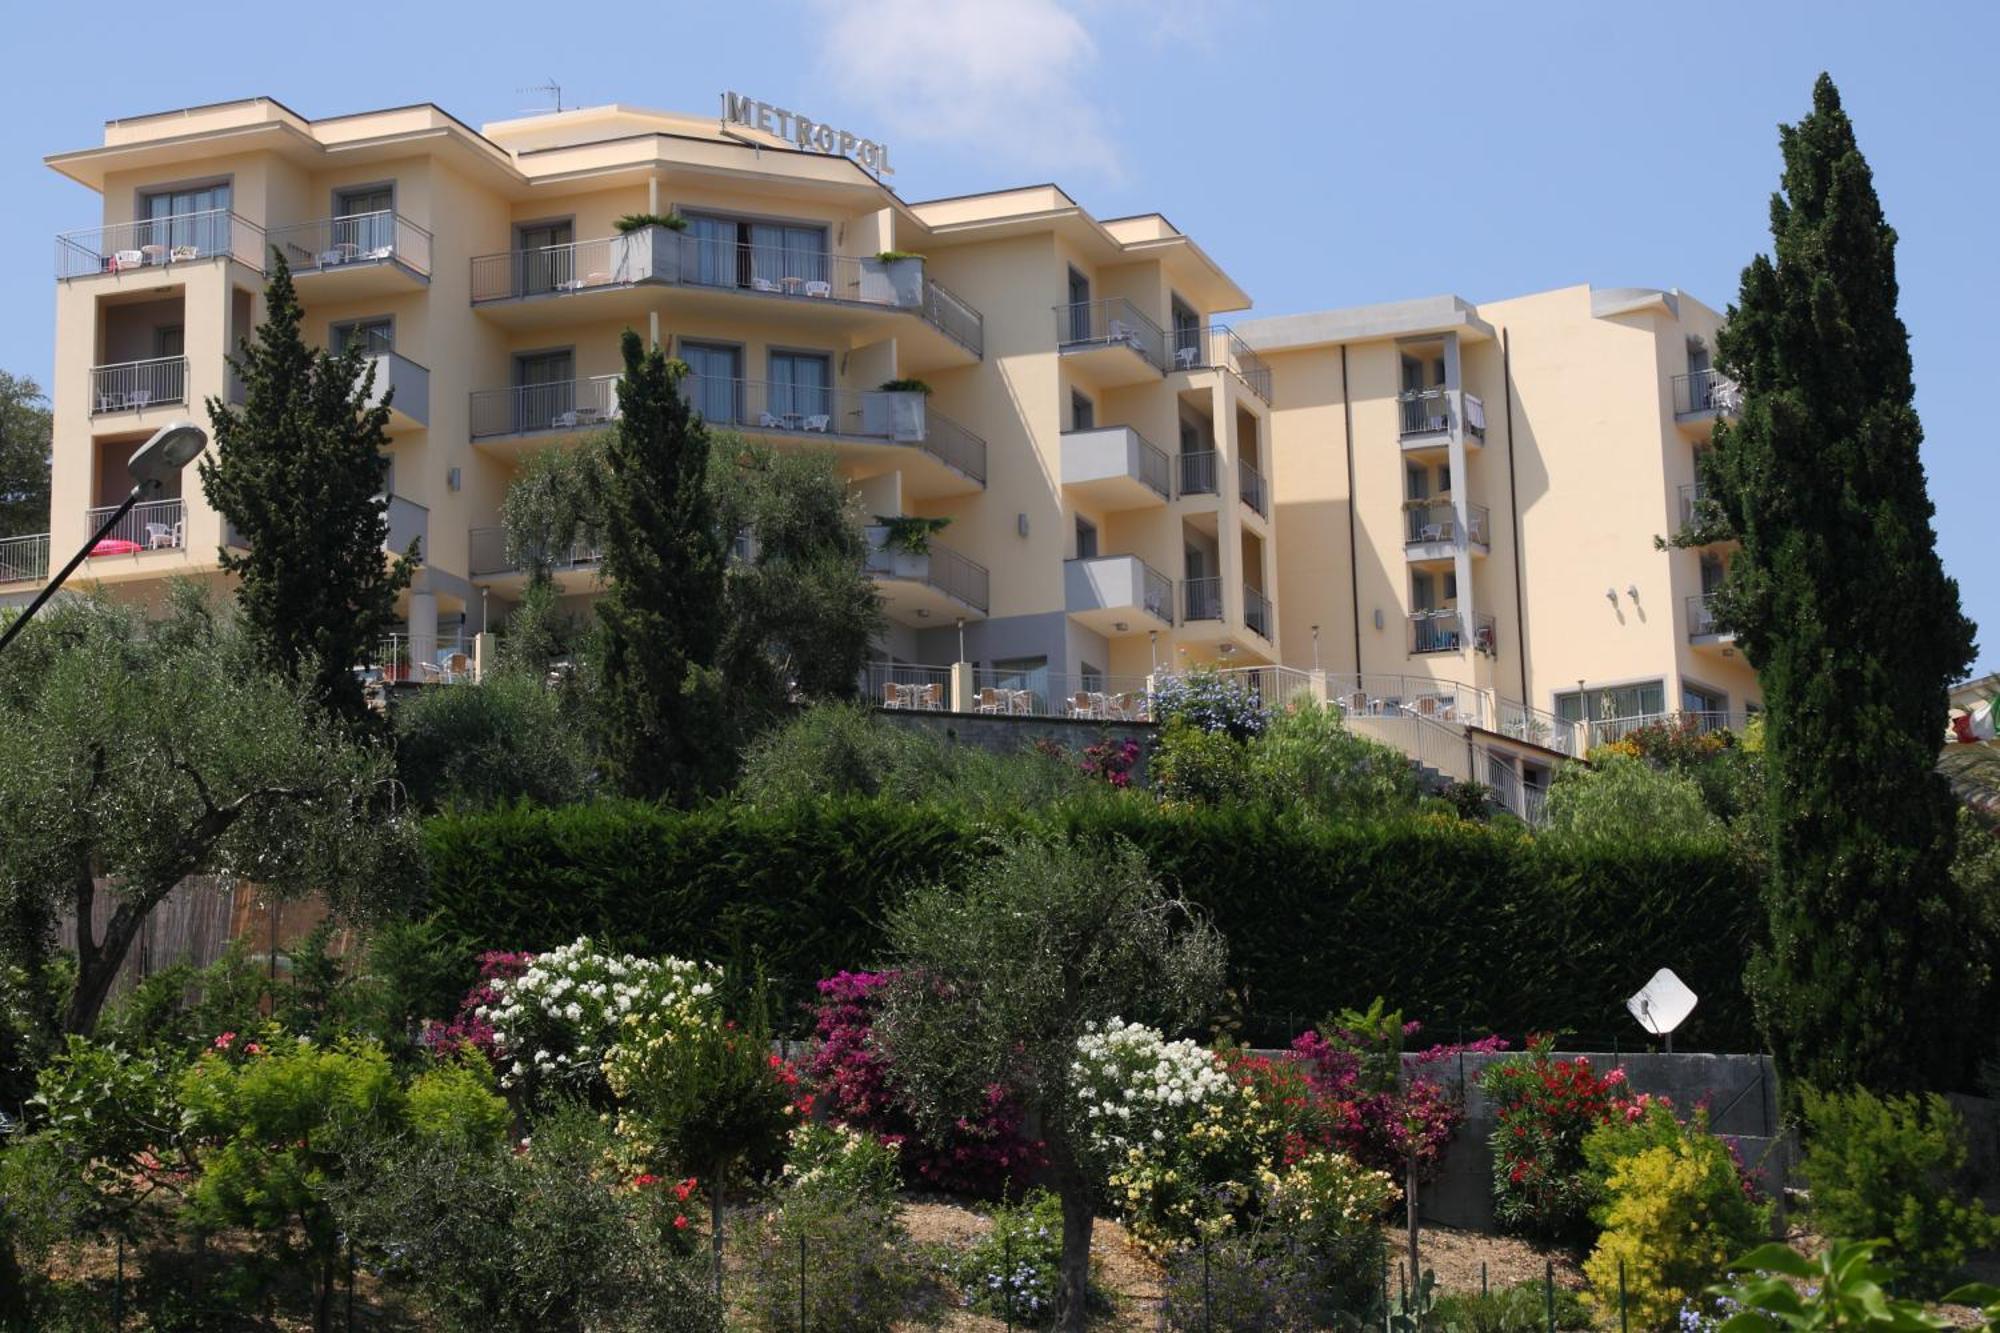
(1130, 486)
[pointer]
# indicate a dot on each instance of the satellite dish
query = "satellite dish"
(1662, 1005)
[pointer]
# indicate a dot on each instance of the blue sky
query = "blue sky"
(1326, 154)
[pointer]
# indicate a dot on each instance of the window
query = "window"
(545, 388)
(1697, 356)
(1451, 585)
(801, 388)
(196, 218)
(365, 219)
(715, 380)
(1086, 538)
(1082, 412)
(170, 340)
(1695, 699)
(372, 336)
(1423, 591)
(1597, 704)
(764, 256)
(1079, 307)
(1090, 677)
(1023, 673)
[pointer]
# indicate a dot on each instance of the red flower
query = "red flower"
(644, 1179)
(680, 1221)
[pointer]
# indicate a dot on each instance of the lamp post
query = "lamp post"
(155, 463)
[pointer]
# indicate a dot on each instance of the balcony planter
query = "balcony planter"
(642, 255)
(895, 414)
(896, 280)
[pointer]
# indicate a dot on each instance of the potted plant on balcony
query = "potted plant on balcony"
(905, 542)
(642, 250)
(893, 277)
(896, 410)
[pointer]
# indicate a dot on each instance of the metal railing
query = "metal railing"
(1445, 631)
(938, 566)
(1256, 612)
(907, 686)
(1272, 686)
(1701, 615)
(1437, 521)
(1379, 694)
(890, 416)
(1043, 693)
(1110, 323)
(130, 385)
(1704, 391)
(181, 238)
(953, 316)
(1201, 599)
(1604, 730)
(358, 238)
(1692, 495)
(1537, 727)
(1425, 411)
(1198, 472)
(24, 559)
(559, 405)
(1155, 469)
(1216, 347)
(486, 554)
(1252, 489)
(1158, 591)
(446, 657)
(152, 525)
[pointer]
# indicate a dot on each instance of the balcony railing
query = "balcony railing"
(890, 416)
(124, 247)
(152, 525)
(1604, 730)
(486, 554)
(1437, 521)
(1701, 616)
(130, 385)
(1425, 411)
(1043, 693)
(938, 566)
(1704, 391)
(907, 685)
(1444, 631)
(1536, 726)
(1216, 347)
(446, 657)
(1201, 599)
(1198, 471)
(954, 317)
(1112, 323)
(559, 405)
(358, 238)
(24, 559)
(1256, 611)
(1692, 495)
(1251, 487)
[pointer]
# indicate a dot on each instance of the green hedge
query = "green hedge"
(1466, 927)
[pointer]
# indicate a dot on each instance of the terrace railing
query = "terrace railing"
(890, 416)
(329, 243)
(1216, 347)
(1042, 693)
(1704, 391)
(136, 384)
(1198, 472)
(558, 405)
(182, 238)
(1111, 323)
(1256, 612)
(24, 559)
(1252, 488)
(1201, 599)
(487, 554)
(151, 525)
(907, 686)
(1437, 521)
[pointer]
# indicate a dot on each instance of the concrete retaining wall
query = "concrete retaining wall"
(1006, 735)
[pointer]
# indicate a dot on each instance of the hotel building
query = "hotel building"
(1459, 499)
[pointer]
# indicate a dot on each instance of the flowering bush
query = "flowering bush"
(469, 1028)
(842, 1162)
(1328, 1207)
(1209, 702)
(556, 1022)
(1014, 1271)
(696, 1092)
(982, 1155)
(1111, 761)
(1543, 1109)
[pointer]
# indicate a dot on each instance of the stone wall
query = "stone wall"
(1006, 735)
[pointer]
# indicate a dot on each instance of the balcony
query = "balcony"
(151, 525)
(1110, 342)
(159, 243)
(1703, 631)
(1432, 418)
(1198, 472)
(935, 585)
(1431, 530)
(489, 563)
(1216, 347)
(508, 420)
(1257, 613)
(405, 385)
(1115, 467)
(363, 254)
(24, 559)
(134, 386)
(409, 524)
(873, 429)
(1444, 631)
(1700, 396)
(1252, 489)
(865, 296)
(1201, 599)
(1117, 594)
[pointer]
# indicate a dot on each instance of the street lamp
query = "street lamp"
(154, 464)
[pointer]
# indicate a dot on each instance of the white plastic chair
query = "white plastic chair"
(819, 289)
(819, 421)
(159, 537)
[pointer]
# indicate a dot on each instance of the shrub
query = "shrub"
(1543, 1109)
(1330, 1207)
(507, 738)
(1197, 766)
(1778, 1288)
(849, 1253)
(839, 1162)
(1618, 797)
(1209, 702)
(1675, 1212)
(1305, 757)
(1887, 1167)
(1015, 1270)
(1520, 1308)
(456, 1103)
(639, 221)
(1246, 1284)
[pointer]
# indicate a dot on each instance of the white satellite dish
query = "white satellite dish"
(1662, 1005)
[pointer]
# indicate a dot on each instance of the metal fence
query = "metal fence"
(806, 410)
(1604, 730)
(1115, 322)
(486, 554)
(558, 405)
(1197, 472)
(1273, 686)
(1536, 727)
(1252, 488)
(24, 559)
(1379, 694)
(1256, 612)
(151, 525)
(1049, 694)
(953, 316)
(1425, 411)
(1216, 347)
(444, 658)
(1201, 599)
(907, 686)
(1437, 521)
(1445, 631)
(329, 243)
(129, 385)
(1704, 391)
(124, 247)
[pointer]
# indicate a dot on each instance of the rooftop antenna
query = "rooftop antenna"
(1662, 1005)
(551, 90)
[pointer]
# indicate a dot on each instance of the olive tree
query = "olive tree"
(1000, 975)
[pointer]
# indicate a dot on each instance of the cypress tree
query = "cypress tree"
(660, 623)
(1873, 973)
(299, 471)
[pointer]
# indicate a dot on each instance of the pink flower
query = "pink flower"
(222, 1042)
(1615, 1077)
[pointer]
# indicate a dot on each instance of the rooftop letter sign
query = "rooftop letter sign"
(808, 134)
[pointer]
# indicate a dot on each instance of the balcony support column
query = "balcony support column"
(423, 626)
(963, 692)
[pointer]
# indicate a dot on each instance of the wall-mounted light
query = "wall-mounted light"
(1611, 595)
(1378, 617)
(1119, 626)
(1632, 591)
(923, 614)
(451, 479)
(1021, 524)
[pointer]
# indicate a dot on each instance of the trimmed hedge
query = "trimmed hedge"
(1471, 928)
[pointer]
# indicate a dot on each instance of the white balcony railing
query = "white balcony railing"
(152, 525)
(892, 416)
(131, 385)
(24, 559)
(359, 238)
(125, 247)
